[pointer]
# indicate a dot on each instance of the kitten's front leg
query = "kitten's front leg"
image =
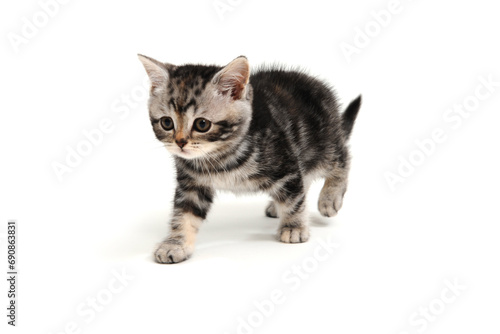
(289, 201)
(191, 205)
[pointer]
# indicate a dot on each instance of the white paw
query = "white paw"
(293, 235)
(172, 253)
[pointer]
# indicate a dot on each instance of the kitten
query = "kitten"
(274, 131)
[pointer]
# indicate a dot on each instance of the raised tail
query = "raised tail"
(349, 116)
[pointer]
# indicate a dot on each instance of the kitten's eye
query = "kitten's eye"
(202, 125)
(167, 123)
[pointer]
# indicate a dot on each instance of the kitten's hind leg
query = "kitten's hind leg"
(271, 211)
(332, 194)
(290, 205)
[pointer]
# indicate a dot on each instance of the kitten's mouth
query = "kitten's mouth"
(185, 153)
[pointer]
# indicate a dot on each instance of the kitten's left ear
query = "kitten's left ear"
(157, 71)
(233, 78)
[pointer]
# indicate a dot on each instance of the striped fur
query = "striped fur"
(273, 131)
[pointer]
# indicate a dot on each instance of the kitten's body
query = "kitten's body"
(274, 132)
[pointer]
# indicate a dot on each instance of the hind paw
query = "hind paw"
(271, 210)
(330, 202)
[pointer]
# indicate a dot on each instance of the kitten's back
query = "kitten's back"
(299, 109)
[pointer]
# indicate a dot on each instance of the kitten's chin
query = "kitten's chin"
(186, 153)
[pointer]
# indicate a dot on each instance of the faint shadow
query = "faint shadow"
(261, 237)
(320, 221)
(241, 221)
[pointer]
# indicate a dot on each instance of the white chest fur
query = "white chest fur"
(236, 180)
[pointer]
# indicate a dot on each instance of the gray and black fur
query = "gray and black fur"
(273, 131)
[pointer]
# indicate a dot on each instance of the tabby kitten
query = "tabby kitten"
(273, 131)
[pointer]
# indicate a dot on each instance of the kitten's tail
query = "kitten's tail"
(349, 116)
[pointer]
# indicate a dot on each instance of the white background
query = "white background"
(397, 247)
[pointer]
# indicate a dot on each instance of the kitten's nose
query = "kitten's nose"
(181, 143)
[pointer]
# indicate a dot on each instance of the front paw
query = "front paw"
(293, 235)
(168, 252)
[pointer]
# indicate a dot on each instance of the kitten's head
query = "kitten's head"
(199, 111)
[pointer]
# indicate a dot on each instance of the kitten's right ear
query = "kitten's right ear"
(233, 78)
(157, 71)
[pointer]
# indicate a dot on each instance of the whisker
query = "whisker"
(212, 156)
(208, 160)
(202, 165)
